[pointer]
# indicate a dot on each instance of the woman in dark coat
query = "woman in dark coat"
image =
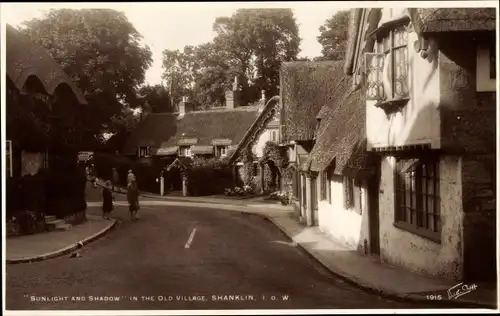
(133, 199)
(107, 200)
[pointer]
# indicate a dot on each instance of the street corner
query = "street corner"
(34, 248)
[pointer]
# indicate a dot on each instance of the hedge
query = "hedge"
(58, 192)
(209, 176)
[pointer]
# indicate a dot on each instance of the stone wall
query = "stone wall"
(479, 201)
(469, 130)
(402, 248)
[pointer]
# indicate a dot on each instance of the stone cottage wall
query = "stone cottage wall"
(402, 248)
(469, 130)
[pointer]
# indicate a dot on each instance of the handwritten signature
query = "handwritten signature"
(460, 289)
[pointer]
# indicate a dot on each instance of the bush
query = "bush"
(239, 191)
(65, 192)
(25, 205)
(208, 176)
(58, 191)
(284, 197)
(26, 193)
(28, 222)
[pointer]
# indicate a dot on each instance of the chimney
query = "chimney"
(183, 106)
(262, 101)
(233, 96)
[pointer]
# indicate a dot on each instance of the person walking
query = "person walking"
(116, 179)
(130, 177)
(133, 199)
(107, 200)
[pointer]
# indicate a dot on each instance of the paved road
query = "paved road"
(185, 258)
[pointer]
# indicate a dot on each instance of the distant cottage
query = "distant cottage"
(208, 133)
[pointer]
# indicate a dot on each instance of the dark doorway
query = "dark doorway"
(173, 180)
(314, 200)
(303, 195)
(373, 212)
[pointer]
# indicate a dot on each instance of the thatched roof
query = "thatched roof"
(264, 120)
(168, 130)
(352, 35)
(342, 137)
(424, 20)
(25, 59)
(306, 88)
(429, 20)
(202, 150)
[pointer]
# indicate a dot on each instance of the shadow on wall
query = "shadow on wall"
(467, 128)
(470, 133)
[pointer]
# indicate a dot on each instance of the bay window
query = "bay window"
(387, 68)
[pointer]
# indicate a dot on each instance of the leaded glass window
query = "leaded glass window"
(387, 68)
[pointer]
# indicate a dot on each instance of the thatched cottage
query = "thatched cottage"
(40, 156)
(323, 126)
(208, 133)
(32, 76)
(429, 79)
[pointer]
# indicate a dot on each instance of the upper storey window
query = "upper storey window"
(387, 68)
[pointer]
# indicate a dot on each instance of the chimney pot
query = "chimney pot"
(232, 99)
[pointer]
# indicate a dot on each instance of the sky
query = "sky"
(175, 25)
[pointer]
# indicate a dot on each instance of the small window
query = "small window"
(324, 181)
(221, 151)
(144, 151)
(274, 136)
(348, 193)
(417, 196)
(185, 151)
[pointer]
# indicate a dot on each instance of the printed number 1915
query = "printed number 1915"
(435, 297)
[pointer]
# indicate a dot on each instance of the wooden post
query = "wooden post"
(309, 201)
(302, 197)
(261, 166)
(162, 187)
(184, 186)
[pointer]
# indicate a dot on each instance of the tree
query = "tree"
(157, 97)
(333, 36)
(249, 45)
(122, 125)
(258, 41)
(178, 71)
(212, 75)
(100, 50)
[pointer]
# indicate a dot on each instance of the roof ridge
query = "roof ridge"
(222, 109)
(313, 62)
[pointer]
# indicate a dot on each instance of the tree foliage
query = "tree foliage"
(101, 51)
(333, 36)
(250, 45)
(156, 97)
